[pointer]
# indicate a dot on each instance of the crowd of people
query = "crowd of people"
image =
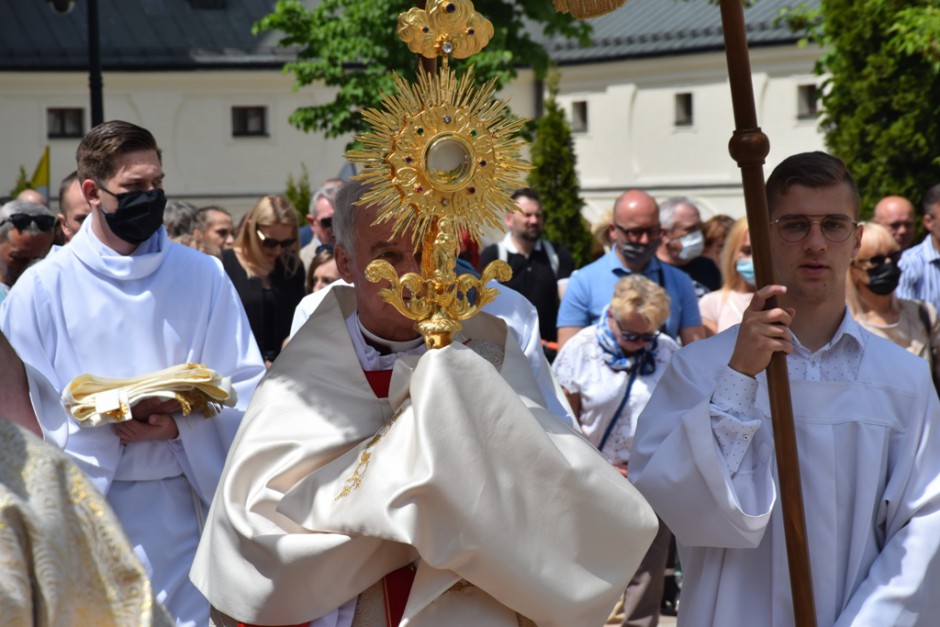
(506, 479)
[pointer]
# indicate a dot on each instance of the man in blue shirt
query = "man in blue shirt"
(920, 265)
(635, 234)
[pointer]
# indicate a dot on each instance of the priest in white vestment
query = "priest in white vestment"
(121, 300)
(375, 483)
(867, 423)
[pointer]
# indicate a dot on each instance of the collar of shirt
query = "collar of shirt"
(369, 357)
(612, 263)
(511, 246)
(838, 360)
(925, 251)
(140, 264)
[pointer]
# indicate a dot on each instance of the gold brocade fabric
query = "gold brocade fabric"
(64, 559)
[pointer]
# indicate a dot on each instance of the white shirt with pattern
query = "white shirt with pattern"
(580, 369)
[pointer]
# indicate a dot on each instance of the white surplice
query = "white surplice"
(88, 309)
(869, 452)
(473, 478)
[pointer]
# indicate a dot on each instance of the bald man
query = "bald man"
(897, 214)
(31, 195)
(635, 234)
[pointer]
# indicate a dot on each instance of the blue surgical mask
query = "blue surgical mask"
(745, 268)
(693, 245)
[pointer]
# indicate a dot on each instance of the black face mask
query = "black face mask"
(638, 254)
(139, 215)
(883, 279)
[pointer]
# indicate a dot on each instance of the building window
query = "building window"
(684, 115)
(579, 116)
(249, 121)
(807, 107)
(65, 123)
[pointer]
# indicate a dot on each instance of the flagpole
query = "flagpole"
(95, 82)
(749, 147)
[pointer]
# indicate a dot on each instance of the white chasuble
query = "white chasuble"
(503, 507)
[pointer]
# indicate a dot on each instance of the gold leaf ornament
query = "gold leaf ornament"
(445, 28)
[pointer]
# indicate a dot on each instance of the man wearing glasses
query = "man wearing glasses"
(322, 207)
(25, 237)
(867, 424)
(635, 234)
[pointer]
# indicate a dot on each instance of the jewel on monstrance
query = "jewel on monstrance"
(449, 162)
(447, 47)
(447, 119)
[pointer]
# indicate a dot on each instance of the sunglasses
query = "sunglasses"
(21, 221)
(877, 261)
(326, 223)
(270, 242)
(627, 336)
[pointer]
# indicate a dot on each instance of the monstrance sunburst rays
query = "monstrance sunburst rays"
(441, 148)
(441, 158)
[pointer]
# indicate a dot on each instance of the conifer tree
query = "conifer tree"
(555, 179)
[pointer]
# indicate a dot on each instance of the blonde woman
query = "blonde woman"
(725, 307)
(608, 372)
(873, 278)
(264, 264)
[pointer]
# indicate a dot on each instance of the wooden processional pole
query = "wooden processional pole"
(749, 146)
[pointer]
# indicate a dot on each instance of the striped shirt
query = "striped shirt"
(920, 273)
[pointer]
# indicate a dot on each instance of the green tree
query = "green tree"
(881, 97)
(556, 181)
(298, 192)
(22, 182)
(353, 45)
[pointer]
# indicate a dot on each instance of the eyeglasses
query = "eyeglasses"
(895, 226)
(326, 223)
(628, 336)
(834, 227)
(876, 261)
(270, 242)
(637, 233)
(21, 221)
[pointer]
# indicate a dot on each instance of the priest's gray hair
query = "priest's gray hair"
(21, 206)
(344, 215)
(667, 210)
